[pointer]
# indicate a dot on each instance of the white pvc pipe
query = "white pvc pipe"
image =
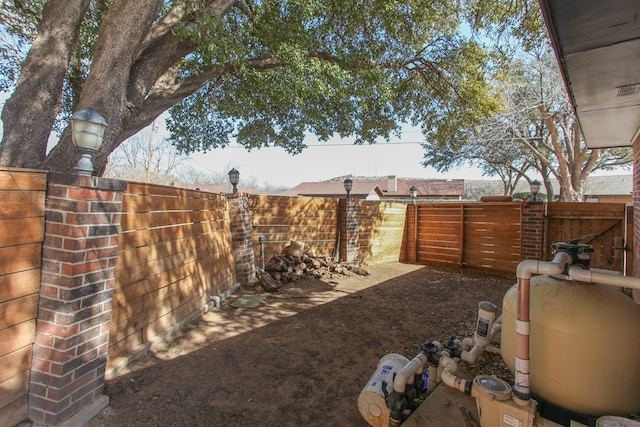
(408, 371)
(449, 366)
(432, 383)
(597, 276)
(218, 299)
(527, 268)
(472, 355)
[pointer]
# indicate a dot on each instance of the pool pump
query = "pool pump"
(568, 332)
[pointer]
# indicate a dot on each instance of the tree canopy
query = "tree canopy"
(534, 132)
(264, 72)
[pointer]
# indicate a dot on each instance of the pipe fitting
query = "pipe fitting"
(408, 371)
(218, 299)
(597, 276)
(449, 367)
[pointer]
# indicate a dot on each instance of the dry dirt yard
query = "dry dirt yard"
(302, 357)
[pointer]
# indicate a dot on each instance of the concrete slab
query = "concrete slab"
(445, 407)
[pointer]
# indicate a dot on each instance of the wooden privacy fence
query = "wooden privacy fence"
(380, 231)
(315, 222)
(498, 235)
(174, 253)
(311, 220)
(485, 235)
(607, 222)
(21, 235)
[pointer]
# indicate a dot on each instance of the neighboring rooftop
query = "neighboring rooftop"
(608, 186)
(390, 187)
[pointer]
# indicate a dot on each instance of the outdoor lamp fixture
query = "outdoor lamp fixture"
(348, 185)
(234, 178)
(534, 187)
(87, 133)
(413, 192)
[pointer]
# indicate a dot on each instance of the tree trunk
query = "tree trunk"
(29, 114)
(105, 90)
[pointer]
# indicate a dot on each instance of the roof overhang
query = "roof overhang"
(598, 49)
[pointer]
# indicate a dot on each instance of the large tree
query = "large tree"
(535, 130)
(265, 72)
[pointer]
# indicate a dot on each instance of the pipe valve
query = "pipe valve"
(432, 351)
(580, 253)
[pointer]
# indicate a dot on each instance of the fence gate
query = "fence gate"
(607, 221)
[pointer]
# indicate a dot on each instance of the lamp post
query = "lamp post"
(413, 192)
(534, 187)
(234, 178)
(87, 133)
(348, 185)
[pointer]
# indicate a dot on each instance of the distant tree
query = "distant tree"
(143, 158)
(536, 129)
(189, 174)
(265, 72)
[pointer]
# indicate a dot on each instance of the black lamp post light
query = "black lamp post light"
(87, 133)
(534, 187)
(348, 185)
(413, 192)
(234, 178)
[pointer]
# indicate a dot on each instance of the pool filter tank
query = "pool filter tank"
(584, 345)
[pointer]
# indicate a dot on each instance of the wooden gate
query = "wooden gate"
(607, 221)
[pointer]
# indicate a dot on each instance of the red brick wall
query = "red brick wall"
(241, 239)
(79, 255)
(533, 230)
(348, 212)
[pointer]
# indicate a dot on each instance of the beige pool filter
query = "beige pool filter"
(584, 345)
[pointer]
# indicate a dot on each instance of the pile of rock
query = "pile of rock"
(297, 263)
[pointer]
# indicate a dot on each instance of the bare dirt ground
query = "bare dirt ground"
(302, 357)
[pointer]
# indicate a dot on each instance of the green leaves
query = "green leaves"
(350, 68)
(270, 72)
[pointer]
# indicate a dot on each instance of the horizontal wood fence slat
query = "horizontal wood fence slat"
(23, 194)
(310, 220)
(380, 231)
(606, 220)
(174, 253)
(482, 235)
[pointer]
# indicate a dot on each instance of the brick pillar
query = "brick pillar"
(533, 230)
(412, 233)
(348, 211)
(82, 224)
(241, 239)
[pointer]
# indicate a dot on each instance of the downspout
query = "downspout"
(526, 269)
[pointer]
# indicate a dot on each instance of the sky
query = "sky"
(323, 161)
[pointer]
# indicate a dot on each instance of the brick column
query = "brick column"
(82, 224)
(348, 211)
(533, 230)
(412, 233)
(241, 239)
